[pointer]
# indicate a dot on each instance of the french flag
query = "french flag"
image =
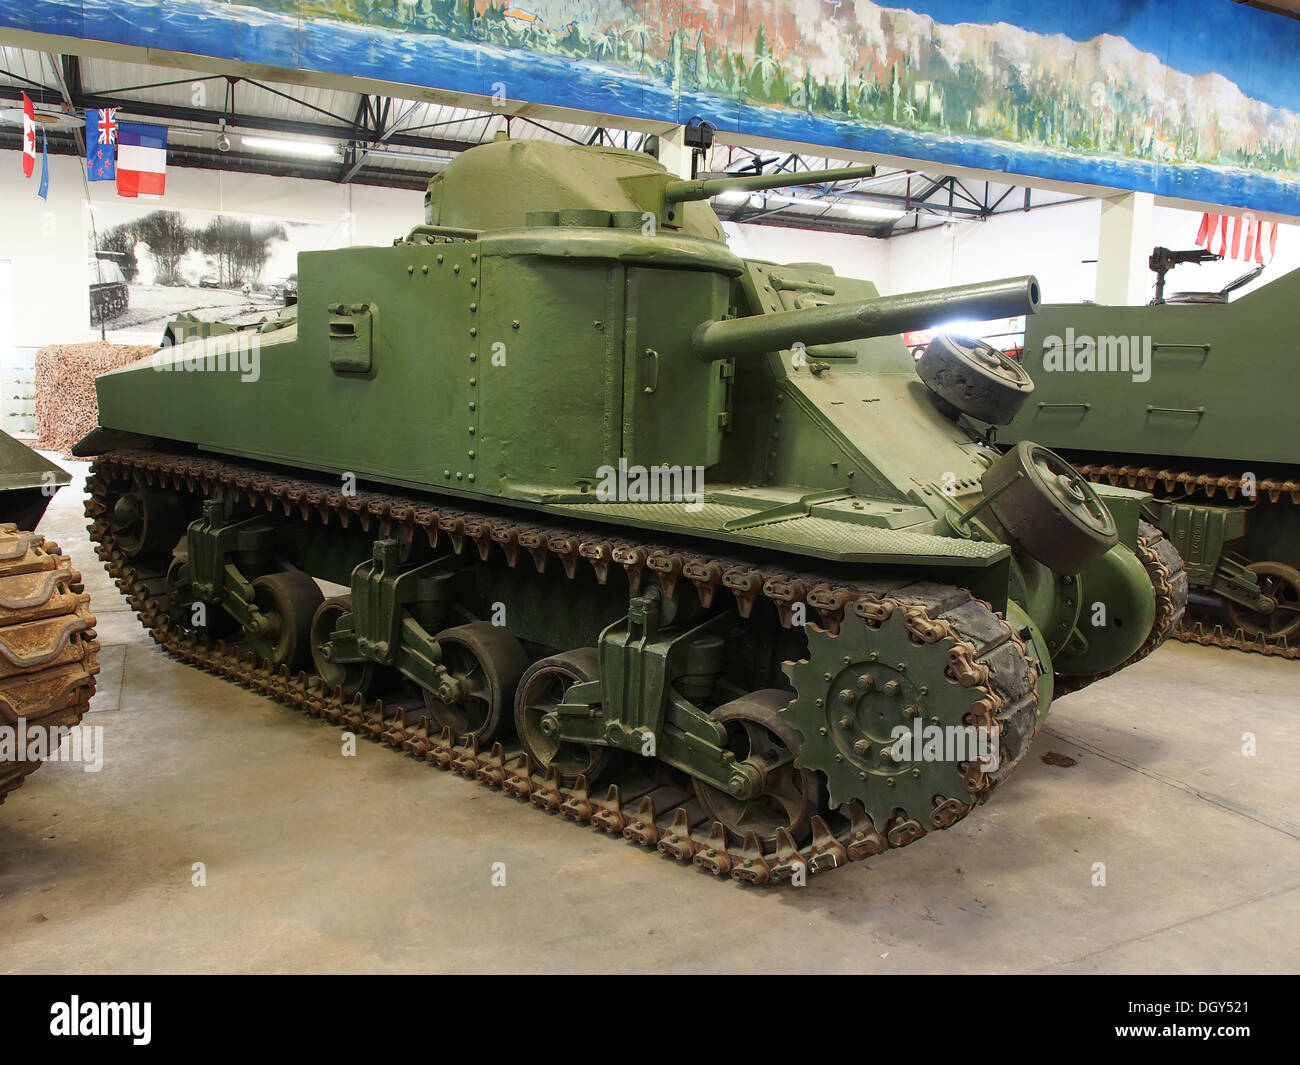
(141, 159)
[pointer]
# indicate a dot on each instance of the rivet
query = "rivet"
(471, 430)
(471, 477)
(471, 454)
(473, 281)
(473, 256)
(424, 269)
(473, 405)
(514, 325)
(410, 269)
(473, 381)
(473, 307)
(459, 476)
(440, 260)
(473, 330)
(446, 473)
(455, 268)
(473, 356)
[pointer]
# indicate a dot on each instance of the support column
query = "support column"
(673, 153)
(1123, 248)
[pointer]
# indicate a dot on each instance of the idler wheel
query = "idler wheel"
(145, 521)
(974, 378)
(286, 603)
(1049, 508)
(352, 677)
(1281, 583)
(541, 690)
(484, 663)
(783, 795)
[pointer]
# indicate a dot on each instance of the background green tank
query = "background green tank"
(1193, 400)
(585, 478)
(28, 481)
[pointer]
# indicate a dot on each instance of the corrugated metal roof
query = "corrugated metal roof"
(402, 142)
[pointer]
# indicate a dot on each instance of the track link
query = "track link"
(48, 650)
(651, 809)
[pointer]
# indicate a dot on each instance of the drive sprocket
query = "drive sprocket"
(868, 698)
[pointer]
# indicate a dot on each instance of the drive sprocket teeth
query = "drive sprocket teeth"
(867, 703)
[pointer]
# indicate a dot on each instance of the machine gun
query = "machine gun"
(1163, 260)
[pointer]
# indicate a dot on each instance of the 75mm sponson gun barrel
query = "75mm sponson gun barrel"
(883, 316)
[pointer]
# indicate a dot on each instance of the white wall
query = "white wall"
(849, 256)
(1057, 244)
(47, 244)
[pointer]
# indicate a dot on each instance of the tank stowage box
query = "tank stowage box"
(662, 539)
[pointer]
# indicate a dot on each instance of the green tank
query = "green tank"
(1192, 399)
(48, 650)
(561, 494)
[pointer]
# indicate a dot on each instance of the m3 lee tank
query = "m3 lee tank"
(669, 542)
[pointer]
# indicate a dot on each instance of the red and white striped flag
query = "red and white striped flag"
(29, 137)
(1238, 236)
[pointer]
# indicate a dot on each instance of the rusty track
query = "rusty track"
(48, 650)
(650, 810)
(1149, 478)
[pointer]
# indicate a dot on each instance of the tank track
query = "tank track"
(48, 650)
(653, 810)
(1148, 478)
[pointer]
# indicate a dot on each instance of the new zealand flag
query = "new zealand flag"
(101, 144)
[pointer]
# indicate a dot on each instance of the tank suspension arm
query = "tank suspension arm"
(702, 189)
(882, 316)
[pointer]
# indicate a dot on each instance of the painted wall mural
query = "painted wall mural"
(1195, 101)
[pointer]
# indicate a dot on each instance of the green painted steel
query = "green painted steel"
(568, 333)
(1206, 393)
(28, 481)
(1211, 381)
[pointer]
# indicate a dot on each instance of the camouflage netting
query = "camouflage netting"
(65, 388)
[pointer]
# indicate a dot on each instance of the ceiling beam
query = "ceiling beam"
(234, 120)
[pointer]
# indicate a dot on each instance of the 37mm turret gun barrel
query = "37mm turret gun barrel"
(882, 316)
(703, 188)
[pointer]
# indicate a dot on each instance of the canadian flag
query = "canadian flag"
(29, 137)
(1239, 236)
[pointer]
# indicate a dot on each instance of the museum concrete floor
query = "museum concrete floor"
(321, 863)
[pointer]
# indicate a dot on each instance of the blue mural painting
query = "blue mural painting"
(1199, 103)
